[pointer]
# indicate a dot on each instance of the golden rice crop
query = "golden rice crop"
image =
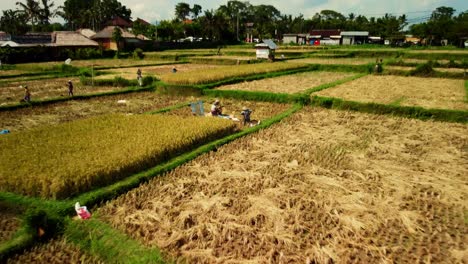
(405, 91)
(224, 72)
(63, 160)
(322, 186)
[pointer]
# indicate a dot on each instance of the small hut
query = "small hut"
(266, 49)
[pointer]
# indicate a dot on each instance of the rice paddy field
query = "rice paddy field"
(309, 185)
(157, 71)
(74, 157)
(57, 251)
(36, 116)
(341, 61)
(290, 83)
(202, 76)
(231, 107)
(322, 186)
(12, 93)
(405, 91)
(9, 221)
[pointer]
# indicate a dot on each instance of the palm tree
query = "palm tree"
(32, 10)
(45, 13)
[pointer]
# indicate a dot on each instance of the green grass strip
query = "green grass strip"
(444, 115)
(111, 246)
(76, 97)
(333, 84)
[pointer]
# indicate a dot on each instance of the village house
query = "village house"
(105, 38)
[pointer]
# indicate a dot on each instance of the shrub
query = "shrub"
(423, 70)
(43, 225)
(138, 54)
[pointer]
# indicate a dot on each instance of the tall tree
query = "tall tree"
(14, 22)
(32, 10)
(441, 23)
(182, 11)
(196, 10)
(92, 13)
(46, 12)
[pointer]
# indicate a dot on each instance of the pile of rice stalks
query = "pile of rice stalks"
(54, 252)
(320, 187)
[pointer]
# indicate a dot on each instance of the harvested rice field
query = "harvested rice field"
(346, 61)
(405, 91)
(135, 103)
(114, 63)
(9, 221)
(12, 93)
(57, 251)
(233, 108)
(322, 186)
(158, 71)
(290, 83)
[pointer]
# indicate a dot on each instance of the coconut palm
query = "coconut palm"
(32, 9)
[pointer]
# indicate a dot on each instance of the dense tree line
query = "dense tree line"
(229, 22)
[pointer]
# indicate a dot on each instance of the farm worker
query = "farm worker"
(246, 115)
(139, 77)
(216, 108)
(27, 94)
(174, 70)
(70, 88)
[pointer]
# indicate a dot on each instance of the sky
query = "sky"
(416, 10)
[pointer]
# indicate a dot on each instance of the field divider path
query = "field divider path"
(65, 208)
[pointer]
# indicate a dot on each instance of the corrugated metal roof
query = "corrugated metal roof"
(354, 33)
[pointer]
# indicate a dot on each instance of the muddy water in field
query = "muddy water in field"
(320, 187)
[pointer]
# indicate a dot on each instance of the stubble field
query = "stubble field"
(290, 83)
(405, 91)
(322, 186)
